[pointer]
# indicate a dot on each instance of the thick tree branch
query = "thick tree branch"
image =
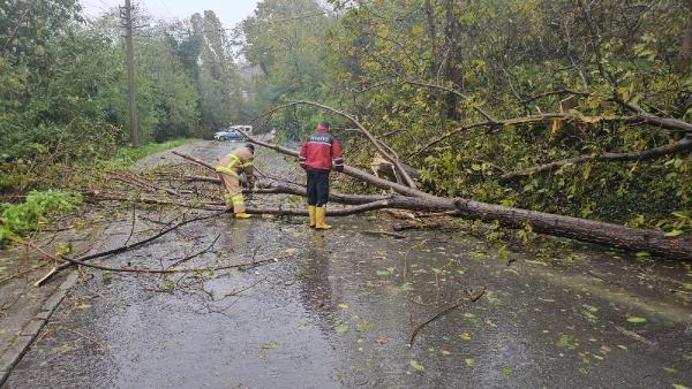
(640, 119)
(346, 211)
(683, 145)
(195, 160)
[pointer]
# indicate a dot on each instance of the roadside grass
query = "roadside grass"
(126, 156)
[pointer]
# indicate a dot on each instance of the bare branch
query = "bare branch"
(455, 92)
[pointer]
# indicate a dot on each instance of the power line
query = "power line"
(168, 11)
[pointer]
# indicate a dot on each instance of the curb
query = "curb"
(18, 348)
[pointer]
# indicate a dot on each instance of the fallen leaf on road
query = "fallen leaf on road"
(636, 319)
(341, 328)
(365, 326)
(416, 365)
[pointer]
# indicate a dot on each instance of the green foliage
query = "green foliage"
(63, 91)
(284, 40)
(38, 208)
(63, 84)
(63, 87)
(498, 55)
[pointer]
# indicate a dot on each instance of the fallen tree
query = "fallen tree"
(557, 225)
(585, 230)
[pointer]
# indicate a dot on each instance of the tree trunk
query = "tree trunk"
(584, 230)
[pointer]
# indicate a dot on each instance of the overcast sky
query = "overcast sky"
(231, 12)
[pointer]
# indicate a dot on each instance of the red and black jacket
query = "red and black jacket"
(321, 151)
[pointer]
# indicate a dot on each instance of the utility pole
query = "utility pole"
(126, 16)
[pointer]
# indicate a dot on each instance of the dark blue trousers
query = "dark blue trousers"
(318, 187)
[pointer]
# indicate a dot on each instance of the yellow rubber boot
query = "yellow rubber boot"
(239, 206)
(320, 216)
(311, 214)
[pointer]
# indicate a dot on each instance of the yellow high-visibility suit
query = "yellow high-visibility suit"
(230, 168)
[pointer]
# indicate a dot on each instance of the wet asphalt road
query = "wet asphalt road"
(337, 310)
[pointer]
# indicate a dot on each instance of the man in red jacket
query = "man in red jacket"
(318, 155)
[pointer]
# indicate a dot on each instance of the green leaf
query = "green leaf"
(269, 346)
(406, 287)
(417, 365)
(470, 361)
(507, 370)
(465, 336)
(341, 328)
(636, 319)
(365, 326)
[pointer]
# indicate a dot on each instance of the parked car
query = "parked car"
(226, 135)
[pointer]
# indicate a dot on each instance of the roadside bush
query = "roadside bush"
(38, 208)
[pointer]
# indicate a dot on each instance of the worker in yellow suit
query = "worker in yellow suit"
(230, 167)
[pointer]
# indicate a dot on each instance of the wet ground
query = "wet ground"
(337, 309)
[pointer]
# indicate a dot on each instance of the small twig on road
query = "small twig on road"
(189, 257)
(89, 338)
(144, 270)
(383, 233)
(237, 292)
(118, 250)
(443, 312)
(21, 273)
(132, 227)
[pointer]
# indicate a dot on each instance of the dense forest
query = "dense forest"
(573, 107)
